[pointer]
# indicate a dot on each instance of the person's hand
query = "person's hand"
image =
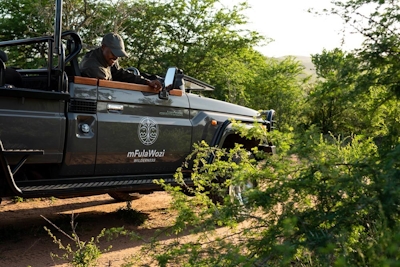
(155, 84)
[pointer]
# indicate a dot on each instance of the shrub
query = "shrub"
(330, 202)
(81, 253)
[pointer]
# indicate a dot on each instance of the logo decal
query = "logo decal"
(145, 155)
(147, 131)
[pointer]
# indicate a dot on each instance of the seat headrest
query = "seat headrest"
(3, 56)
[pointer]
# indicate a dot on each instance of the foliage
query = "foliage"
(199, 32)
(130, 215)
(29, 19)
(18, 199)
(200, 215)
(378, 22)
(358, 92)
(340, 109)
(329, 202)
(278, 84)
(83, 253)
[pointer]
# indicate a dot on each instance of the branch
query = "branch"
(58, 228)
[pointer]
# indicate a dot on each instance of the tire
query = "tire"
(235, 191)
(124, 196)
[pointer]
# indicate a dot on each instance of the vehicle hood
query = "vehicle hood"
(201, 103)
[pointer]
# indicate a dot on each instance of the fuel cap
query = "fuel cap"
(85, 128)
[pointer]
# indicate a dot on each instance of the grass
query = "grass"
(131, 216)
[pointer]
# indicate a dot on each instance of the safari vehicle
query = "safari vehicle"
(65, 135)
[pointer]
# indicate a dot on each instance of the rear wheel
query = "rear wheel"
(124, 196)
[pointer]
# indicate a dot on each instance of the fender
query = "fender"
(228, 131)
(225, 130)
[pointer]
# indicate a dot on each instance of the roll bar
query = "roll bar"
(62, 59)
(57, 49)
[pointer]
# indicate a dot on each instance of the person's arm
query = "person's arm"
(122, 75)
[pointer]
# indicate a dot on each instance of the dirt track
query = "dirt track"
(23, 241)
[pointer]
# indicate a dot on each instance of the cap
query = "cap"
(115, 43)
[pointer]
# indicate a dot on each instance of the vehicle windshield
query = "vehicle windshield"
(196, 85)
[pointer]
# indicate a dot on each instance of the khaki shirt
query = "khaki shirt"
(94, 65)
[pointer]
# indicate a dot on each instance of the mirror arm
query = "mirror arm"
(163, 94)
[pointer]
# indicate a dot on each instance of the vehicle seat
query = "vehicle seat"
(72, 69)
(9, 75)
(3, 56)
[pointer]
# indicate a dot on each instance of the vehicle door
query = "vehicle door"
(139, 133)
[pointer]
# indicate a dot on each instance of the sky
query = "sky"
(295, 31)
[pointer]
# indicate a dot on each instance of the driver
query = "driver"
(102, 63)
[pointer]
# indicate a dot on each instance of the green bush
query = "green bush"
(81, 253)
(329, 202)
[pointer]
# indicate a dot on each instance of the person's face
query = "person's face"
(108, 55)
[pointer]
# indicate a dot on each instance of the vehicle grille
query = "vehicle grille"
(82, 106)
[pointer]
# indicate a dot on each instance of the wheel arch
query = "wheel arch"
(227, 137)
(232, 138)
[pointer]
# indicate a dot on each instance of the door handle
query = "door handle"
(115, 107)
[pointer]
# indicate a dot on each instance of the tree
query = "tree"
(333, 104)
(20, 20)
(27, 19)
(375, 66)
(378, 22)
(279, 84)
(197, 36)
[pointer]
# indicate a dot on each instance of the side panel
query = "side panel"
(209, 115)
(81, 146)
(33, 123)
(204, 129)
(138, 133)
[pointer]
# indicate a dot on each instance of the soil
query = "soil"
(24, 242)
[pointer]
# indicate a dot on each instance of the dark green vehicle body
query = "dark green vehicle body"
(63, 137)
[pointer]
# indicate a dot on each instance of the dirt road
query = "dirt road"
(24, 242)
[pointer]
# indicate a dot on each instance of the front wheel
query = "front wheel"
(236, 190)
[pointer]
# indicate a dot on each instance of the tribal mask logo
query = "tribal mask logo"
(147, 131)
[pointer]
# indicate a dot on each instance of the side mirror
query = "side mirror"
(169, 78)
(168, 83)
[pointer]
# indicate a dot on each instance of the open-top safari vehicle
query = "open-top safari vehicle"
(65, 135)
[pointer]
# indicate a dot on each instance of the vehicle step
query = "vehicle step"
(23, 152)
(68, 186)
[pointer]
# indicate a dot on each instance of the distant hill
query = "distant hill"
(309, 68)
